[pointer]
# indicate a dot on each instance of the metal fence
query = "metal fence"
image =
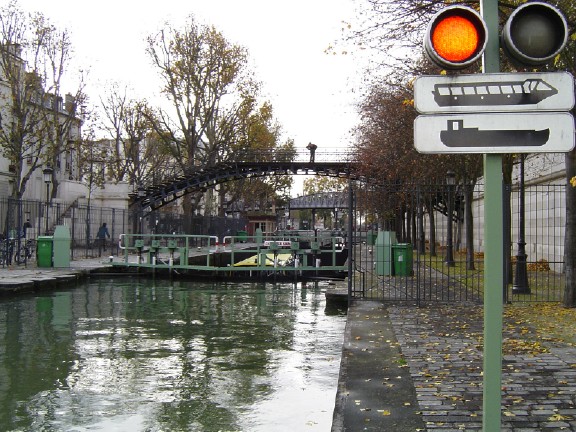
(30, 219)
(84, 222)
(446, 253)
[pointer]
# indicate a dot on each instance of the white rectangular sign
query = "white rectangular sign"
(504, 92)
(494, 133)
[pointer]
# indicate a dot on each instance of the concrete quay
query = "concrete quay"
(20, 278)
(405, 368)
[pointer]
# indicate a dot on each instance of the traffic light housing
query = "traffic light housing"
(456, 37)
(534, 33)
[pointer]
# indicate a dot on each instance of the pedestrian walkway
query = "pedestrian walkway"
(420, 369)
(442, 345)
(30, 277)
(375, 389)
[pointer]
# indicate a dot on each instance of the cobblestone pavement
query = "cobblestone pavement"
(442, 346)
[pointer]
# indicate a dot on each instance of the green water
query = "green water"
(143, 355)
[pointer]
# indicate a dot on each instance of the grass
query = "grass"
(550, 322)
(544, 284)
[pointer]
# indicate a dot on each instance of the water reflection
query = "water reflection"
(147, 355)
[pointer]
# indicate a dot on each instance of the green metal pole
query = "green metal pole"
(493, 250)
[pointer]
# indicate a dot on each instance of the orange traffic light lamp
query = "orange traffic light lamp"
(534, 33)
(456, 37)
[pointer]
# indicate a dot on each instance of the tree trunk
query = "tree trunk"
(570, 235)
(432, 235)
(413, 226)
(421, 234)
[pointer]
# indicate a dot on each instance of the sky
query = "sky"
(313, 93)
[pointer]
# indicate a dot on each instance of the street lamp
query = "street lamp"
(336, 218)
(520, 285)
(141, 194)
(450, 182)
(47, 175)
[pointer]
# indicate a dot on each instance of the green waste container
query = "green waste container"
(371, 237)
(402, 254)
(242, 236)
(61, 247)
(45, 246)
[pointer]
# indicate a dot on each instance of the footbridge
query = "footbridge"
(333, 163)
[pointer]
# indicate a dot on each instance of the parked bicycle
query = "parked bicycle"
(26, 251)
(6, 251)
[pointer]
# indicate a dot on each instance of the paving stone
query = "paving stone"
(447, 363)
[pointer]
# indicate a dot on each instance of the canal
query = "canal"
(159, 355)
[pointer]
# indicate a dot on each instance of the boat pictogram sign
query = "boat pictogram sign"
(504, 92)
(531, 132)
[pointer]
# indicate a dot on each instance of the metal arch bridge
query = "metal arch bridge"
(332, 163)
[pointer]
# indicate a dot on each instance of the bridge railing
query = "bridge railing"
(301, 155)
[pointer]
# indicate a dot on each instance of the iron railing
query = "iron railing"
(418, 215)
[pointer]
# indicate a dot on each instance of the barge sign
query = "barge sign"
(530, 132)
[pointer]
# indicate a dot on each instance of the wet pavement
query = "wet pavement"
(436, 351)
(30, 277)
(375, 389)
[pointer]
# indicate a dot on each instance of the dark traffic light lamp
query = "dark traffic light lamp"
(534, 33)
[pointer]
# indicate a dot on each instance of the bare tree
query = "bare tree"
(62, 116)
(21, 114)
(136, 153)
(39, 126)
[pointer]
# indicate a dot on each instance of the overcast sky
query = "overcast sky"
(313, 93)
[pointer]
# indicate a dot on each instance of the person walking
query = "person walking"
(101, 238)
(27, 225)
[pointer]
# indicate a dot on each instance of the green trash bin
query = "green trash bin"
(242, 236)
(402, 253)
(45, 246)
(371, 237)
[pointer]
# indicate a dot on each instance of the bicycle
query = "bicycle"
(26, 251)
(6, 251)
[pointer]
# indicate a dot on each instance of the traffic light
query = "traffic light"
(534, 33)
(456, 37)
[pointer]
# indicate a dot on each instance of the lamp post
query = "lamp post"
(520, 285)
(450, 182)
(141, 194)
(336, 218)
(47, 176)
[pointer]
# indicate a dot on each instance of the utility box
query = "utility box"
(402, 253)
(259, 238)
(61, 251)
(44, 247)
(383, 252)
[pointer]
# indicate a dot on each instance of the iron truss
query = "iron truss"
(159, 195)
(321, 200)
